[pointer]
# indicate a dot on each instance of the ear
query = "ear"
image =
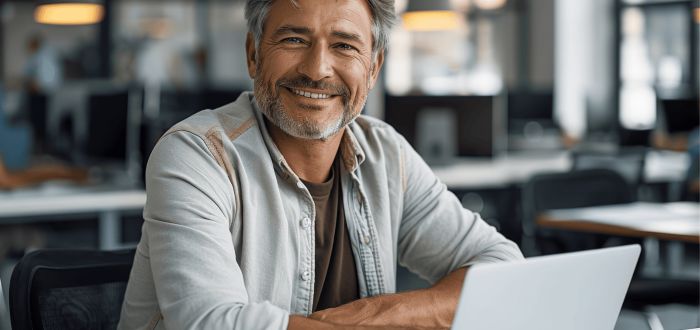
(250, 55)
(376, 68)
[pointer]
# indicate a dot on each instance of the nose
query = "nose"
(316, 63)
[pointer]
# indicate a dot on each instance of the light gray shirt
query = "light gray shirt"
(228, 238)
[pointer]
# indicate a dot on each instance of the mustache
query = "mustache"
(300, 82)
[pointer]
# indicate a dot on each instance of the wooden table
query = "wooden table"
(670, 221)
(675, 222)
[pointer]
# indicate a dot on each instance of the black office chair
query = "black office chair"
(578, 188)
(628, 162)
(69, 289)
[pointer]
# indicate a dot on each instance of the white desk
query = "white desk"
(501, 171)
(24, 206)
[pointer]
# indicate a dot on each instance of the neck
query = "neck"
(311, 160)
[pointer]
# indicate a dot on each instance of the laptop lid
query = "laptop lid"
(579, 290)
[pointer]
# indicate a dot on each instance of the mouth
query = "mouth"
(310, 95)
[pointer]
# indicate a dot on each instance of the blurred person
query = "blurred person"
(15, 151)
(15, 140)
(287, 208)
(43, 71)
(692, 189)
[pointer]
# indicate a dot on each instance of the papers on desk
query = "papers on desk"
(681, 217)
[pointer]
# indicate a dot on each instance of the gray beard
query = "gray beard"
(271, 106)
(273, 109)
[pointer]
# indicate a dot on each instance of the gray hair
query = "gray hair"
(383, 18)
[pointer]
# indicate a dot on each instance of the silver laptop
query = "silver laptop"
(580, 290)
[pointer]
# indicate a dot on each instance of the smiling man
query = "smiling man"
(287, 209)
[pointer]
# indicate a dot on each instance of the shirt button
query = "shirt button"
(300, 185)
(305, 223)
(305, 276)
(365, 239)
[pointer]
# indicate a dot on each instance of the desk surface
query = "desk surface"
(516, 168)
(44, 202)
(670, 221)
(501, 171)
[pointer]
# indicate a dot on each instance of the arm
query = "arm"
(428, 308)
(437, 239)
(437, 235)
(198, 282)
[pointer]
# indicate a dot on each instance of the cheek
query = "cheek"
(273, 66)
(359, 73)
(360, 86)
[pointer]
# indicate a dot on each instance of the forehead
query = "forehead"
(321, 16)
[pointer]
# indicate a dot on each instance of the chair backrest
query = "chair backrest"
(628, 162)
(578, 188)
(69, 289)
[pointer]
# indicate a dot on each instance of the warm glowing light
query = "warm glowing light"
(431, 20)
(69, 13)
(490, 4)
(696, 14)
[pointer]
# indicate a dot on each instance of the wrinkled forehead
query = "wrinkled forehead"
(321, 17)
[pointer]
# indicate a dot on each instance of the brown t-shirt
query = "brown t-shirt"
(336, 275)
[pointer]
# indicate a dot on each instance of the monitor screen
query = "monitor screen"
(443, 127)
(681, 115)
(530, 106)
(107, 125)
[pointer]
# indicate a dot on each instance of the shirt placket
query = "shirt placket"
(366, 232)
(307, 251)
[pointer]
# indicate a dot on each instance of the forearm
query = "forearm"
(307, 323)
(428, 308)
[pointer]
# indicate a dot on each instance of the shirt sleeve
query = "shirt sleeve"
(437, 235)
(190, 202)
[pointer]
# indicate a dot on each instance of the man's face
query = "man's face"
(314, 65)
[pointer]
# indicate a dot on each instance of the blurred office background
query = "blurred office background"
(520, 107)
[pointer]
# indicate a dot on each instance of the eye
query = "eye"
(293, 40)
(344, 46)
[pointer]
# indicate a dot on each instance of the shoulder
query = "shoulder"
(229, 121)
(370, 131)
(203, 137)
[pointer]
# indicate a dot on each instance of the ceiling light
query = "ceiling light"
(490, 4)
(69, 13)
(431, 16)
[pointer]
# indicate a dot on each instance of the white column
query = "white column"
(583, 62)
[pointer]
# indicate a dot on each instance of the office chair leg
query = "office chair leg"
(653, 320)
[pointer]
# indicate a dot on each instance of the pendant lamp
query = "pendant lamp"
(430, 15)
(69, 12)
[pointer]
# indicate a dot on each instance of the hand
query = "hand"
(431, 308)
(307, 323)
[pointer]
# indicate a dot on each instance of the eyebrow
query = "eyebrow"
(347, 35)
(286, 29)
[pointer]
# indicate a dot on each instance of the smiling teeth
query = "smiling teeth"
(310, 95)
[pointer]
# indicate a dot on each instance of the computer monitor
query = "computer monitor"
(442, 128)
(215, 98)
(176, 105)
(527, 106)
(107, 127)
(681, 114)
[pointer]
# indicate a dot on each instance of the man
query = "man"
(286, 209)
